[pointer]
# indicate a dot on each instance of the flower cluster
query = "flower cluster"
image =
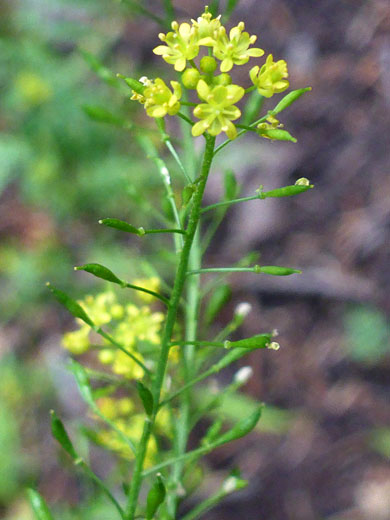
(131, 326)
(215, 89)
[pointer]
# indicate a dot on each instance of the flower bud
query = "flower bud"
(273, 345)
(243, 375)
(223, 79)
(208, 64)
(190, 78)
(243, 309)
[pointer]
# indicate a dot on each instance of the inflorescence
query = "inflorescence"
(211, 78)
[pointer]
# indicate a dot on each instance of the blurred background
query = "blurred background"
(322, 451)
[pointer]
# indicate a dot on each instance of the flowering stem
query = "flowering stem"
(168, 143)
(177, 291)
(250, 89)
(185, 118)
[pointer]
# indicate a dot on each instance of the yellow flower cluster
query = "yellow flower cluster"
(130, 325)
(122, 412)
(216, 91)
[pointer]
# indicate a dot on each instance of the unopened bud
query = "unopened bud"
(243, 309)
(243, 375)
(190, 78)
(273, 346)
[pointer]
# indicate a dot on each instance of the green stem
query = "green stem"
(150, 231)
(198, 343)
(169, 11)
(251, 127)
(142, 10)
(185, 118)
(229, 203)
(250, 89)
(180, 279)
(204, 506)
(147, 291)
(224, 270)
(168, 143)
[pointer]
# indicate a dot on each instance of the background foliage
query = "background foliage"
(327, 388)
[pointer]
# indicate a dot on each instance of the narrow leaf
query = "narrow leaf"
(39, 506)
(230, 184)
(73, 307)
(101, 70)
(155, 497)
(82, 382)
(101, 115)
(59, 433)
(289, 99)
(146, 397)
(242, 428)
(100, 272)
(121, 225)
(217, 301)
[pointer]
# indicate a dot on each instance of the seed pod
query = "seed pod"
(276, 134)
(212, 432)
(242, 428)
(59, 433)
(134, 84)
(155, 497)
(39, 505)
(258, 341)
(217, 301)
(276, 270)
(287, 191)
(289, 99)
(73, 307)
(146, 397)
(100, 272)
(121, 225)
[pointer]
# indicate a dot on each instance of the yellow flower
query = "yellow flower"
(206, 26)
(124, 365)
(234, 50)
(160, 100)
(270, 78)
(271, 124)
(181, 45)
(219, 111)
(77, 342)
(152, 284)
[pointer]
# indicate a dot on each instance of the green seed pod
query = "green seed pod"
(241, 429)
(276, 134)
(73, 307)
(286, 191)
(289, 99)
(155, 498)
(222, 79)
(190, 78)
(134, 84)
(208, 64)
(217, 301)
(146, 397)
(39, 506)
(100, 272)
(59, 433)
(275, 270)
(258, 341)
(121, 225)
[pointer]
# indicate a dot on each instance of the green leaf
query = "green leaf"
(155, 498)
(73, 307)
(82, 382)
(277, 134)
(100, 272)
(231, 186)
(217, 301)
(289, 100)
(101, 115)
(146, 397)
(121, 225)
(39, 505)
(101, 71)
(276, 270)
(59, 433)
(258, 341)
(242, 428)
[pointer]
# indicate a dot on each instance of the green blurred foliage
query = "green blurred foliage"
(367, 334)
